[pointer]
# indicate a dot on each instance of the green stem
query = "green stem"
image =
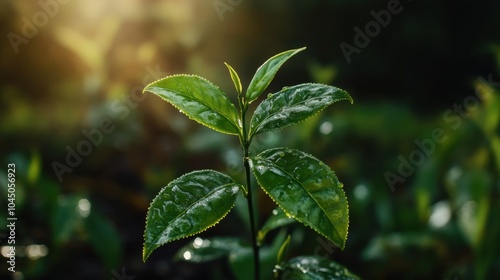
(246, 144)
(255, 246)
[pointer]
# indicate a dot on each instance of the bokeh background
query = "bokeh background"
(72, 68)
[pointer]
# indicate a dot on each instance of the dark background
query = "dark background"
(87, 61)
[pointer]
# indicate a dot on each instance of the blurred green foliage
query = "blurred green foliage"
(86, 63)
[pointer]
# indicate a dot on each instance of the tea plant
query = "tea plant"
(305, 189)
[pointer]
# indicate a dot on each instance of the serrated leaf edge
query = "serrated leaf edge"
(233, 122)
(341, 246)
(146, 256)
(292, 53)
(256, 131)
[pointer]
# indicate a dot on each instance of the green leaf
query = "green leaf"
(306, 189)
(277, 219)
(209, 249)
(314, 268)
(292, 105)
(266, 72)
(283, 249)
(188, 205)
(200, 100)
(235, 78)
(34, 167)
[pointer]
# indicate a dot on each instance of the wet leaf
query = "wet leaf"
(188, 205)
(313, 268)
(306, 189)
(293, 105)
(200, 100)
(266, 72)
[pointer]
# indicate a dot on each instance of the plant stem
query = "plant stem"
(245, 142)
(255, 246)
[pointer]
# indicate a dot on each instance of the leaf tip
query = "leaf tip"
(145, 254)
(351, 99)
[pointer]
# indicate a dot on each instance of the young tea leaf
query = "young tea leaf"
(306, 189)
(188, 205)
(200, 100)
(235, 78)
(313, 268)
(292, 105)
(266, 72)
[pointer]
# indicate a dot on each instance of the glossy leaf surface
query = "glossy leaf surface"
(306, 189)
(203, 250)
(188, 205)
(294, 104)
(314, 268)
(200, 100)
(266, 72)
